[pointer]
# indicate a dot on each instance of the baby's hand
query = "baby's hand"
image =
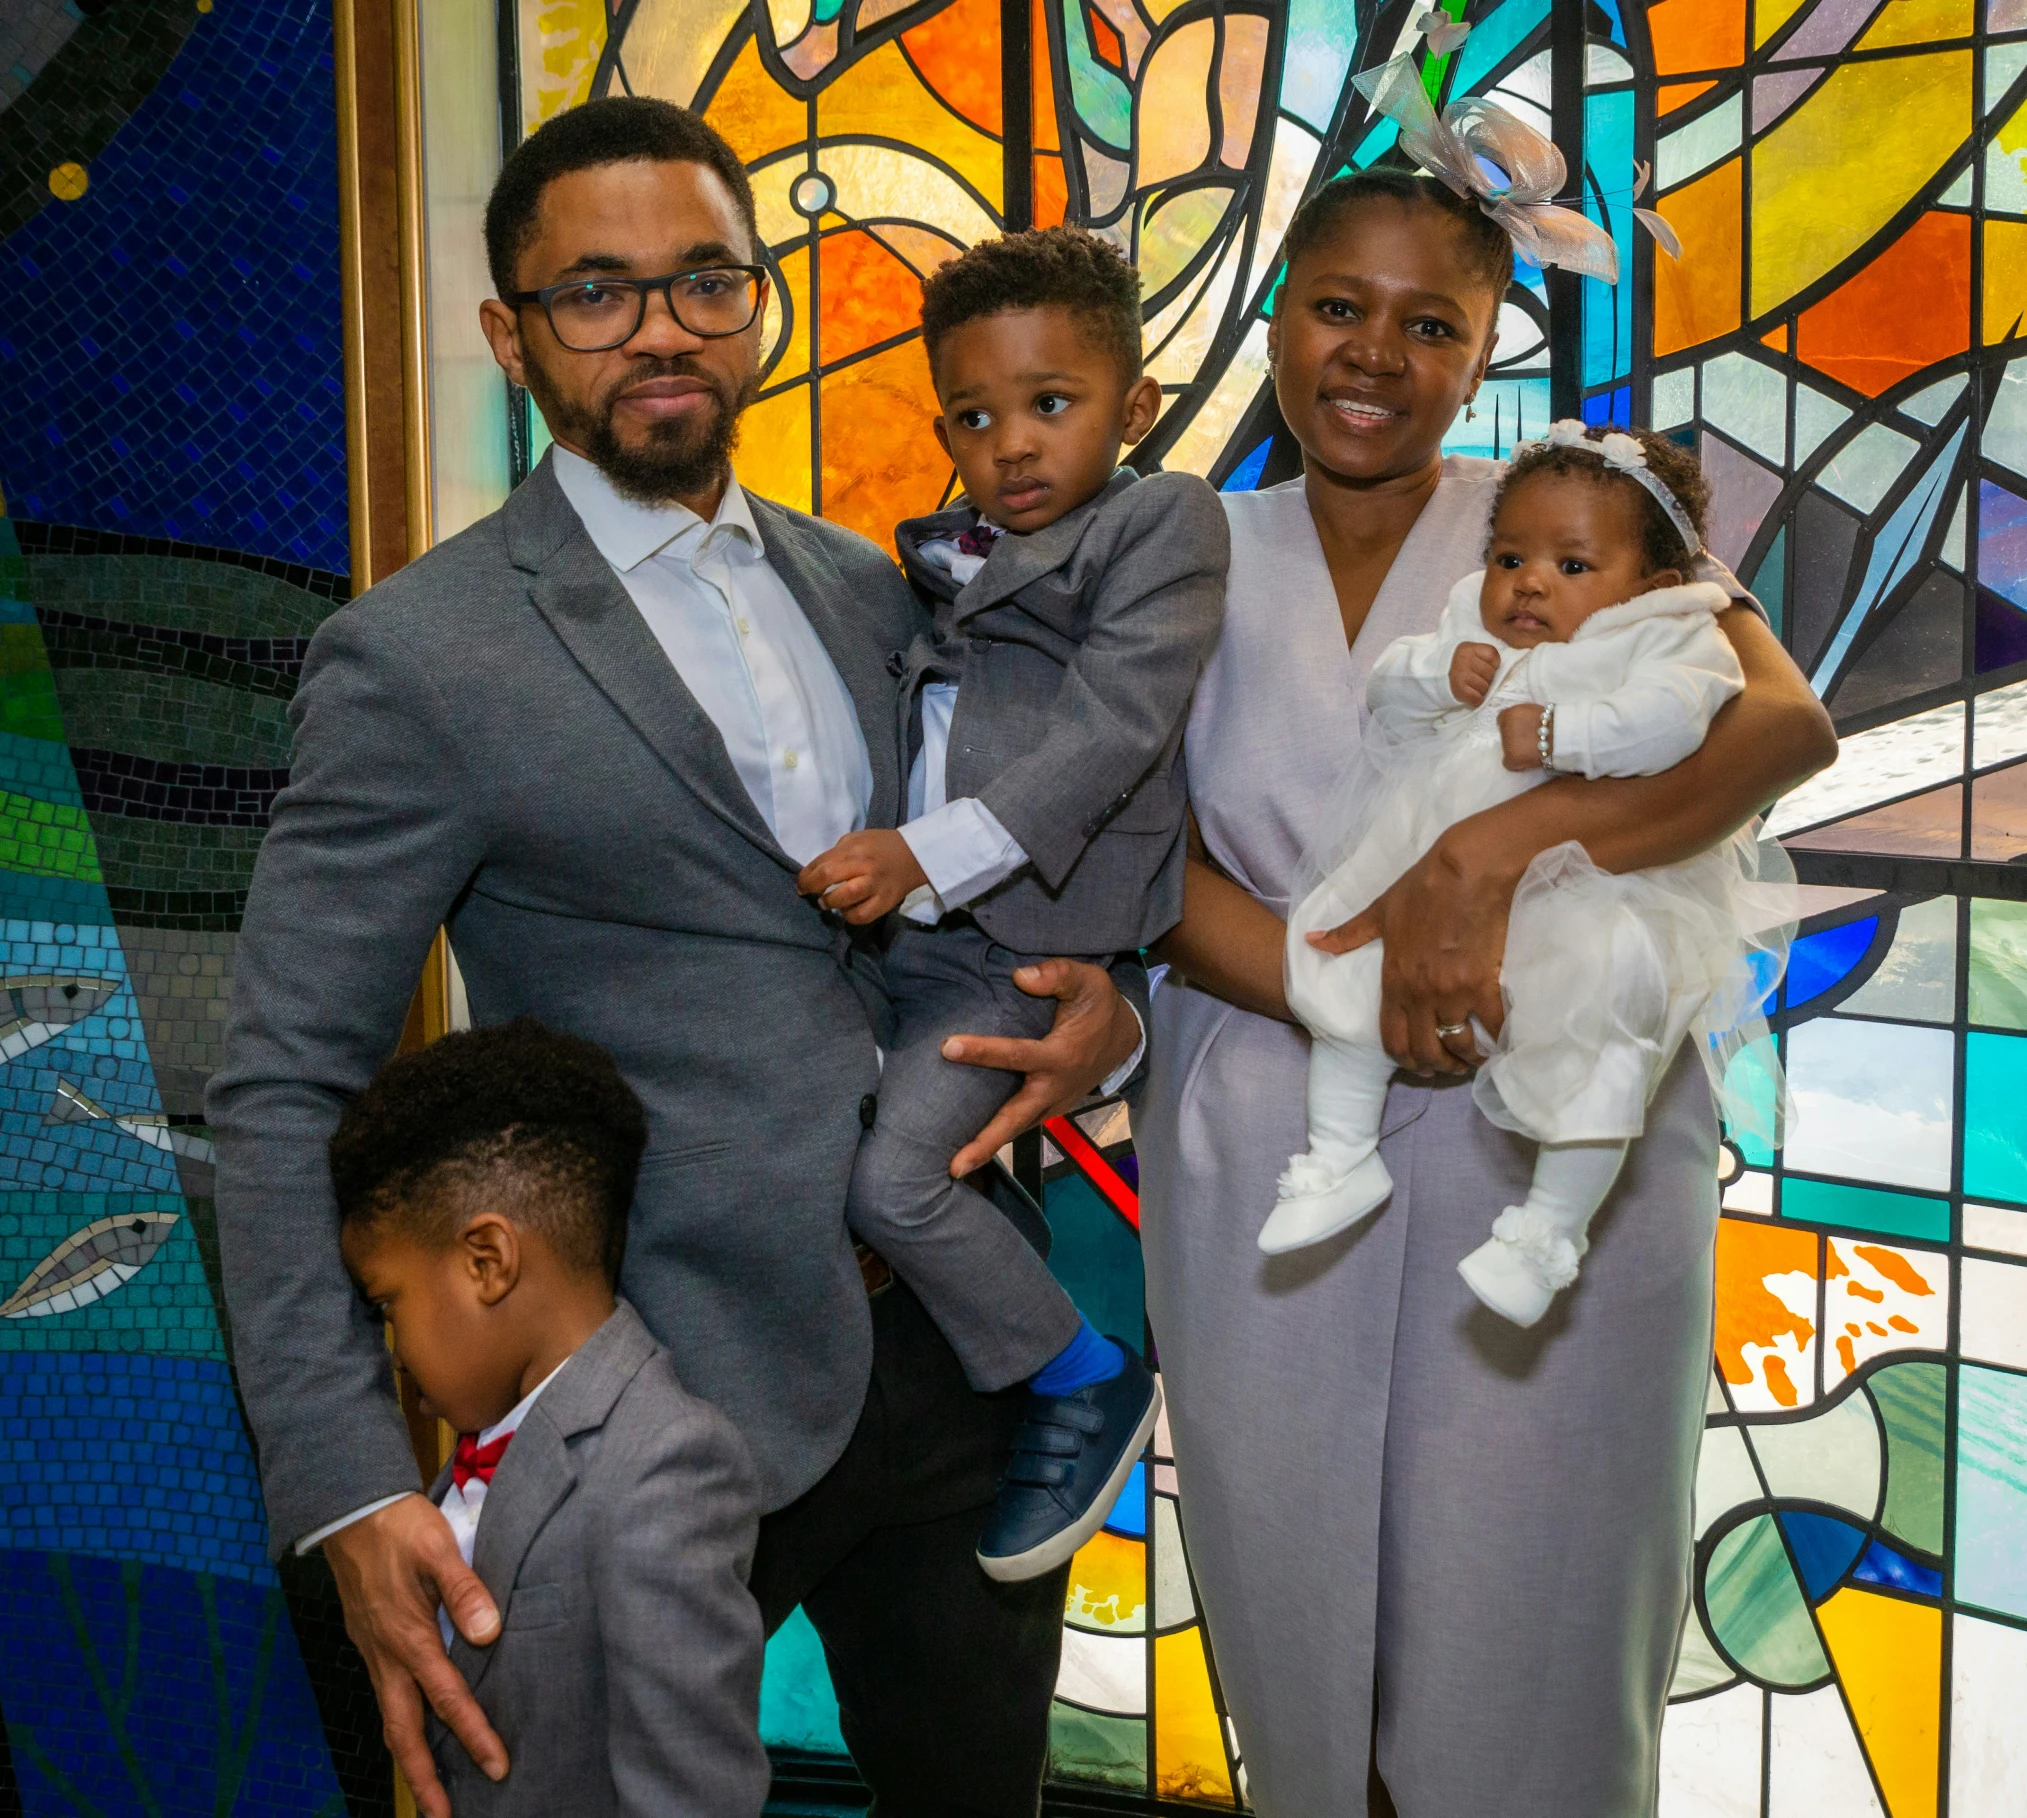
(1520, 735)
(863, 876)
(1472, 672)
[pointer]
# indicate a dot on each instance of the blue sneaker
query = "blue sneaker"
(1071, 1457)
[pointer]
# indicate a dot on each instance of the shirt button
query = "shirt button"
(744, 628)
(789, 758)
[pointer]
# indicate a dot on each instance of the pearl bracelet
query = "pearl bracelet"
(1544, 736)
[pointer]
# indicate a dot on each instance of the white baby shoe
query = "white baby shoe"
(1315, 1203)
(1526, 1262)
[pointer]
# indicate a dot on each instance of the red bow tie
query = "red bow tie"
(979, 539)
(474, 1460)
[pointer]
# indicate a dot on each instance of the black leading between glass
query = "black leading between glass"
(590, 315)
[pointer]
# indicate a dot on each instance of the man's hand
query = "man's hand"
(1473, 670)
(1094, 1032)
(863, 876)
(393, 1568)
(1520, 735)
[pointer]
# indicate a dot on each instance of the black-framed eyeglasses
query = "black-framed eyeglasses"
(589, 315)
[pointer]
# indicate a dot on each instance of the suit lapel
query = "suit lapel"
(817, 587)
(589, 610)
(1018, 562)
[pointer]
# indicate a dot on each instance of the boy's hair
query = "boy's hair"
(1488, 250)
(616, 129)
(541, 1123)
(1668, 461)
(1043, 268)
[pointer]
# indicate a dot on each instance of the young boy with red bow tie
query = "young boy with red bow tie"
(482, 1188)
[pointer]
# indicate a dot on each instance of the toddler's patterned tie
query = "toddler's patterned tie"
(474, 1460)
(979, 539)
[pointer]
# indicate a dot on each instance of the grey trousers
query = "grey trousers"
(983, 1283)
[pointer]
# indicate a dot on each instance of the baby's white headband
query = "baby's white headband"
(1487, 156)
(1623, 454)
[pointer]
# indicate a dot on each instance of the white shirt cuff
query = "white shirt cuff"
(1131, 1064)
(329, 1528)
(963, 851)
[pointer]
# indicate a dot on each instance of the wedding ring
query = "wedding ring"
(1446, 1030)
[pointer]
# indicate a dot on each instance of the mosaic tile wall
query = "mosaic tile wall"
(172, 465)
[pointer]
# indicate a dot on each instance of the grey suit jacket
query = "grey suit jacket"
(1075, 649)
(615, 1537)
(493, 736)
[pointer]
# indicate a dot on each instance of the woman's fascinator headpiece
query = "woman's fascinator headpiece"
(1489, 157)
(1623, 454)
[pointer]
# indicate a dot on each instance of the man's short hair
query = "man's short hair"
(540, 1125)
(1043, 268)
(617, 129)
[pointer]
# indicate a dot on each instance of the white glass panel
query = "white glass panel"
(1816, 419)
(1211, 428)
(1877, 765)
(1992, 1317)
(1832, 1457)
(1104, 1672)
(1877, 1298)
(2002, 1228)
(1751, 1192)
(1951, 549)
(1815, 1768)
(2006, 421)
(1932, 403)
(1873, 1102)
(1699, 145)
(1747, 400)
(1173, 1602)
(1287, 172)
(1988, 1737)
(1999, 726)
(1865, 467)
(1710, 1756)
(1603, 66)
(1918, 977)
(1724, 1476)
(1674, 398)
(1698, 1667)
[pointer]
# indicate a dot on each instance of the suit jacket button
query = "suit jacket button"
(869, 1109)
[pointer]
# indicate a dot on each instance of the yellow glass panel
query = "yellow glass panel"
(751, 110)
(789, 18)
(1177, 362)
(774, 448)
(1770, 15)
(1239, 77)
(669, 46)
(1696, 297)
(880, 459)
(1888, 1653)
(560, 45)
(1846, 161)
(2005, 279)
(924, 250)
(1173, 120)
(1158, 10)
(1108, 1585)
(794, 280)
(1175, 232)
(779, 221)
(1921, 22)
(881, 97)
(878, 181)
(1189, 1744)
(1196, 450)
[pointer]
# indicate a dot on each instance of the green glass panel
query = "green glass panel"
(1172, 234)
(1757, 1609)
(1911, 1400)
(1103, 102)
(1998, 963)
(1995, 1132)
(1086, 1746)
(1824, 1202)
(1991, 1560)
(798, 1709)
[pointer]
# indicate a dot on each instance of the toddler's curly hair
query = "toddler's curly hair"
(1670, 463)
(1045, 267)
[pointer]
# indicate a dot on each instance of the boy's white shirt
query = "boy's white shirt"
(1634, 690)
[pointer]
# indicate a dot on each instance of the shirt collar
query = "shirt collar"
(511, 1420)
(628, 532)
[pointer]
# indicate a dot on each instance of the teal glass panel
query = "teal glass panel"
(1991, 1549)
(1995, 1130)
(798, 1709)
(1608, 308)
(1092, 1746)
(1828, 1202)
(1749, 1078)
(1770, 580)
(1757, 1609)
(1499, 32)
(1998, 980)
(1096, 1257)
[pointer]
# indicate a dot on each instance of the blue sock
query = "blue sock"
(1088, 1358)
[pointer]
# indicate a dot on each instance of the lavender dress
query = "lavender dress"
(1401, 1508)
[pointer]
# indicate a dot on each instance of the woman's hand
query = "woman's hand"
(1444, 924)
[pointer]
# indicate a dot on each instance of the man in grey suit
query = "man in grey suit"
(598, 734)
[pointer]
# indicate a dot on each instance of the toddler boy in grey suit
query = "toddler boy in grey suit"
(1041, 719)
(482, 1188)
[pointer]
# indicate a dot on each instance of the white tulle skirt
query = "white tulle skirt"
(1603, 975)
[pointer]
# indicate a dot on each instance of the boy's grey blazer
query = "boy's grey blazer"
(1075, 650)
(615, 1537)
(494, 737)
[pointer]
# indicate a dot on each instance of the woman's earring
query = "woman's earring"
(1470, 411)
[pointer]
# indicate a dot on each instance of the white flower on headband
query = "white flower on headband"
(1623, 454)
(1487, 156)
(1443, 32)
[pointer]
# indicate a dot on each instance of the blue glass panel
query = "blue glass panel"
(1610, 407)
(1129, 1513)
(1608, 308)
(1882, 1565)
(2002, 542)
(1818, 961)
(1246, 476)
(1824, 1548)
(1494, 36)
(1610, 8)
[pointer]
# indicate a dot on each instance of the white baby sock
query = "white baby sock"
(1535, 1247)
(1340, 1177)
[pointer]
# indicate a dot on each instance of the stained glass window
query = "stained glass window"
(1842, 341)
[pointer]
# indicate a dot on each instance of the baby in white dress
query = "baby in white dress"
(1582, 648)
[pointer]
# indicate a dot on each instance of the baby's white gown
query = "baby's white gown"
(1602, 974)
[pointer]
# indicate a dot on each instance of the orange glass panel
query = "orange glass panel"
(1106, 44)
(1680, 94)
(922, 247)
(752, 111)
(795, 281)
(1052, 192)
(957, 53)
(1752, 1319)
(867, 296)
(774, 448)
(1921, 22)
(1047, 135)
(1929, 825)
(1239, 76)
(1908, 309)
(1776, 338)
(1888, 1652)
(2005, 279)
(1696, 297)
(1173, 118)
(880, 459)
(881, 97)
(1697, 34)
(1189, 1744)
(1999, 815)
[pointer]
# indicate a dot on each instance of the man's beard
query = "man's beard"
(678, 457)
